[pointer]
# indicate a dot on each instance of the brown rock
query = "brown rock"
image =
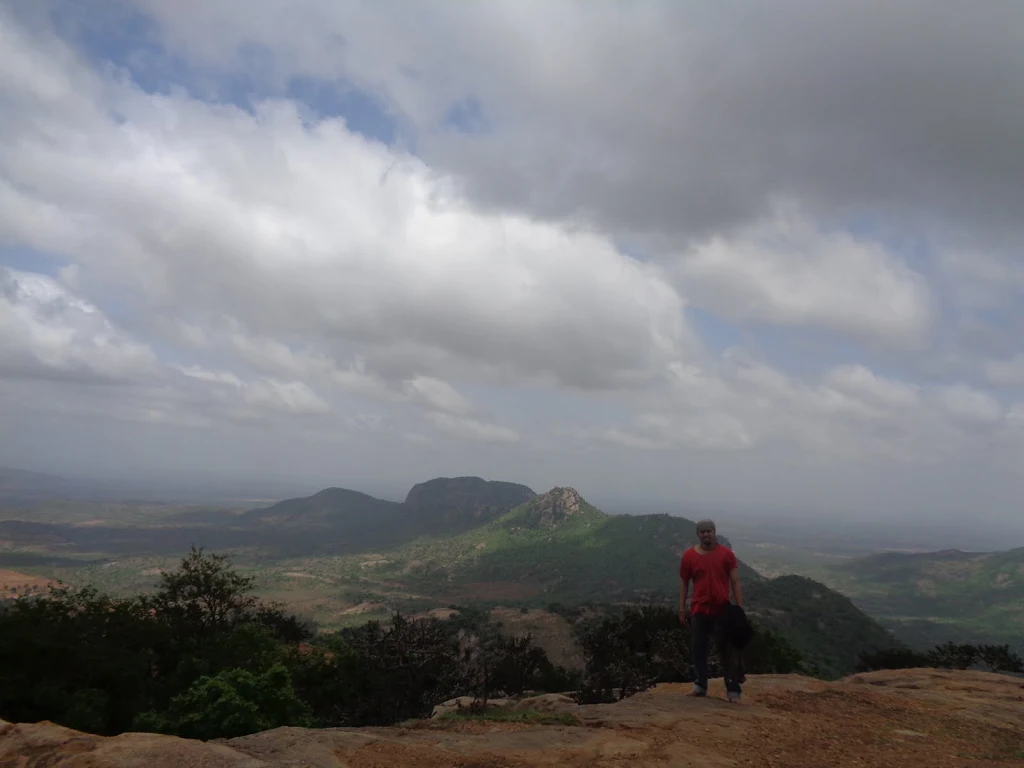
(915, 717)
(27, 745)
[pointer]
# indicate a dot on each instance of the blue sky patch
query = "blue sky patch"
(362, 112)
(29, 260)
(467, 116)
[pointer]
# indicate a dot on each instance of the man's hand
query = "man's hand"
(684, 601)
(737, 589)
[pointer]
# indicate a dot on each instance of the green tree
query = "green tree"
(205, 593)
(209, 621)
(771, 654)
(952, 655)
(999, 658)
(75, 657)
(629, 652)
(949, 655)
(372, 675)
(235, 702)
(640, 647)
(520, 665)
(93, 662)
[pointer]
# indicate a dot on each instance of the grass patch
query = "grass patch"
(529, 717)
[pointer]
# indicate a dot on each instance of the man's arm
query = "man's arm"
(737, 588)
(685, 577)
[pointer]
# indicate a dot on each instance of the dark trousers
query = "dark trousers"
(702, 628)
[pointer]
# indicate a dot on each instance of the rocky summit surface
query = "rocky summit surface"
(907, 717)
(551, 508)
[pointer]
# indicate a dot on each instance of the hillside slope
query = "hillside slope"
(827, 627)
(914, 717)
(557, 548)
(937, 596)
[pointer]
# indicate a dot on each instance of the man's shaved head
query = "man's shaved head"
(707, 534)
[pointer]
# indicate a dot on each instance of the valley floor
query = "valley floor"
(930, 718)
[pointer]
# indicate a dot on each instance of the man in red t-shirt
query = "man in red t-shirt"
(713, 569)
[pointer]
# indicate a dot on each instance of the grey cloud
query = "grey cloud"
(309, 231)
(473, 429)
(45, 332)
(678, 125)
(337, 308)
(1006, 373)
(788, 271)
(680, 118)
(850, 414)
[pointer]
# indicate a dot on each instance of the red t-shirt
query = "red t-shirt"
(710, 574)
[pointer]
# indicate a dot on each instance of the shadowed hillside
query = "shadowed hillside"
(449, 505)
(557, 548)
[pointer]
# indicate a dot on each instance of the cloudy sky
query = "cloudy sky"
(732, 256)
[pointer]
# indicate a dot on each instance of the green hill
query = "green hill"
(827, 627)
(929, 598)
(557, 548)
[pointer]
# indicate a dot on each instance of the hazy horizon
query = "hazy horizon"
(798, 529)
(766, 262)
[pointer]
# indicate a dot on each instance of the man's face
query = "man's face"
(707, 536)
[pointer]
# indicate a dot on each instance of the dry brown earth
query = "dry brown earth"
(928, 718)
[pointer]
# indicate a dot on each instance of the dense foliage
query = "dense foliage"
(202, 658)
(95, 663)
(825, 626)
(994, 658)
(642, 646)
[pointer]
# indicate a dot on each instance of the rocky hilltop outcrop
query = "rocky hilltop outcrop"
(913, 717)
(553, 507)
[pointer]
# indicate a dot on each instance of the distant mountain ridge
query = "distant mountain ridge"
(348, 521)
(456, 504)
(327, 508)
(20, 487)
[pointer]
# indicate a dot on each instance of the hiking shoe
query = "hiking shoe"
(734, 698)
(698, 691)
